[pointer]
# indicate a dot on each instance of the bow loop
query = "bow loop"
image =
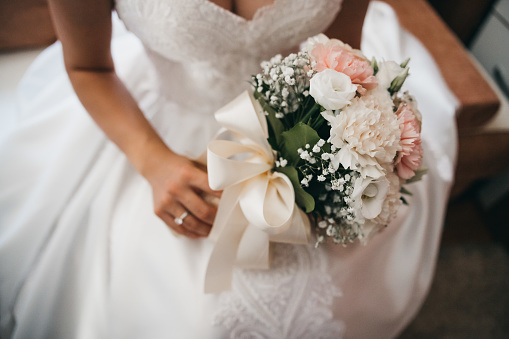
(249, 127)
(225, 171)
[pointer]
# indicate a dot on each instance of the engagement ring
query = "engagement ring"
(180, 220)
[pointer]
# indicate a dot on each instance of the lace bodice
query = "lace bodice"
(205, 54)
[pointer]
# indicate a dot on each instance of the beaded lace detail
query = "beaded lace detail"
(291, 300)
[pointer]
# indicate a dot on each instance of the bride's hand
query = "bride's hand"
(181, 186)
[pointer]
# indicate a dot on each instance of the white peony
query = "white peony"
(331, 89)
(366, 133)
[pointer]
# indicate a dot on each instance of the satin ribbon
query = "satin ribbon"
(257, 205)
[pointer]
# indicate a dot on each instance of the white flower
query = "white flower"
(284, 92)
(387, 71)
(289, 80)
(366, 133)
(322, 224)
(393, 202)
(326, 156)
(288, 71)
(369, 196)
(333, 90)
(305, 155)
(311, 42)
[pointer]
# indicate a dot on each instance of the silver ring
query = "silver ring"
(180, 220)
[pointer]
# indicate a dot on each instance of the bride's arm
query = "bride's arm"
(348, 24)
(84, 28)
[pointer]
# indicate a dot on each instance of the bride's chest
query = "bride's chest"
(197, 30)
(243, 8)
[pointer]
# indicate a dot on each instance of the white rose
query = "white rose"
(387, 71)
(331, 89)
(369, 196)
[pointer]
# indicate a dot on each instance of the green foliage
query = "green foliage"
(418, 175)
(276, 127)
(403, 190)
(303, 199)
(295, 138)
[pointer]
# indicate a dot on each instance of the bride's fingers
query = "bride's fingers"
(200, 181)
(196, 226)
(180, 229)
(198, 207)
(188, 221)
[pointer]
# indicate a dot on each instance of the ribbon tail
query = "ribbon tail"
(227, 232)
(298, 233)
(253, 252)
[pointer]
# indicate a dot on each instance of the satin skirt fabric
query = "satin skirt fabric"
(82, 254)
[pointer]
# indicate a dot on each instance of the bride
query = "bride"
(103, 234)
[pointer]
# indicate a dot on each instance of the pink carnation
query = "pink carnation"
(342, 58)
(409, 159)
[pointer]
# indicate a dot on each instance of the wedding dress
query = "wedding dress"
(82, 254)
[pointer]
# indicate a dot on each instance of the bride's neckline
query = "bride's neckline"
(256, 16)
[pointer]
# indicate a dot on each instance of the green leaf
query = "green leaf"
(275, 124)
(404, 63)
(303, 199)
(404, 201)
(418, 175)
(273, 143)
(403, 190)
(297, 137)
(398, 81)
(374, 64)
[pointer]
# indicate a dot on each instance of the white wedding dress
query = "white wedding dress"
(82, 254)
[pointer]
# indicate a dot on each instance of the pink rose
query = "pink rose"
(342, 58)
(409, 159)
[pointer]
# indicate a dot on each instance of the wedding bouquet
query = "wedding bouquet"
(325, 132)
(344, 134)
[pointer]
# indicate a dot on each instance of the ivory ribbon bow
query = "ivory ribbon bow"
(257, 205)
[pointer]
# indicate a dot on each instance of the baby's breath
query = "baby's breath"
(283, 81)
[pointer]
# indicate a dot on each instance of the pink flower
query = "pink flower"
(409, 159)
(342, 58)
